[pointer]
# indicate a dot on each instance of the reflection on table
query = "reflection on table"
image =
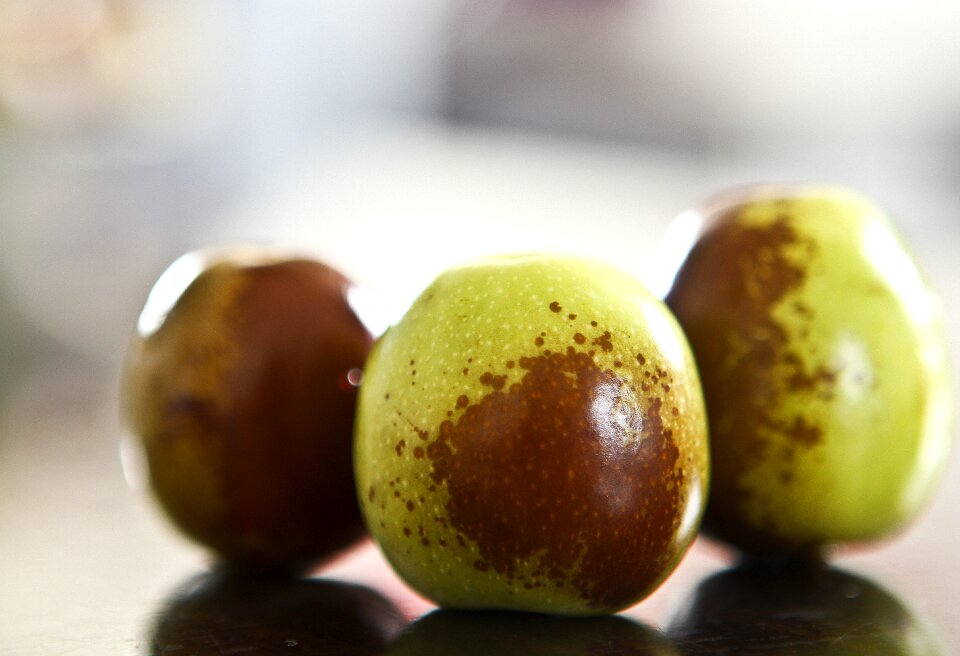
(216, 613)
(802, 609)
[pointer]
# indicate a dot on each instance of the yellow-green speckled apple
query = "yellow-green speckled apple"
(822, 357)
(531, 436)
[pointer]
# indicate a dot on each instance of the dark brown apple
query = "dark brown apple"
(240, 383)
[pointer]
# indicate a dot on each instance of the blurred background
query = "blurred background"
(394, 139)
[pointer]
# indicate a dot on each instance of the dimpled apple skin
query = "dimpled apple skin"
(240, 385)
(531, 436)
(823, 365)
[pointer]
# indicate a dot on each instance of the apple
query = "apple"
(822, 356)
(802, 610)
(464, 633)
(531, 436)
(240, 384)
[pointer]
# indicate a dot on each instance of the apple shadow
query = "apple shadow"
(504, 633)
(803, 609)
(225, 613)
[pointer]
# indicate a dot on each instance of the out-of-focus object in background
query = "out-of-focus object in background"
(47, 73)
(113, 124)
(113, 64)
(698, 72)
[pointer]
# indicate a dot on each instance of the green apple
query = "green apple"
(823, 363)
(805, 611)
(241, 385)
(531, 436)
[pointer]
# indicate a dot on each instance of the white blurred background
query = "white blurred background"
(394, 139)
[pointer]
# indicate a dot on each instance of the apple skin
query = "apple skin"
(802, 610)
(531, 436)
(240, 385)
(822, 356)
